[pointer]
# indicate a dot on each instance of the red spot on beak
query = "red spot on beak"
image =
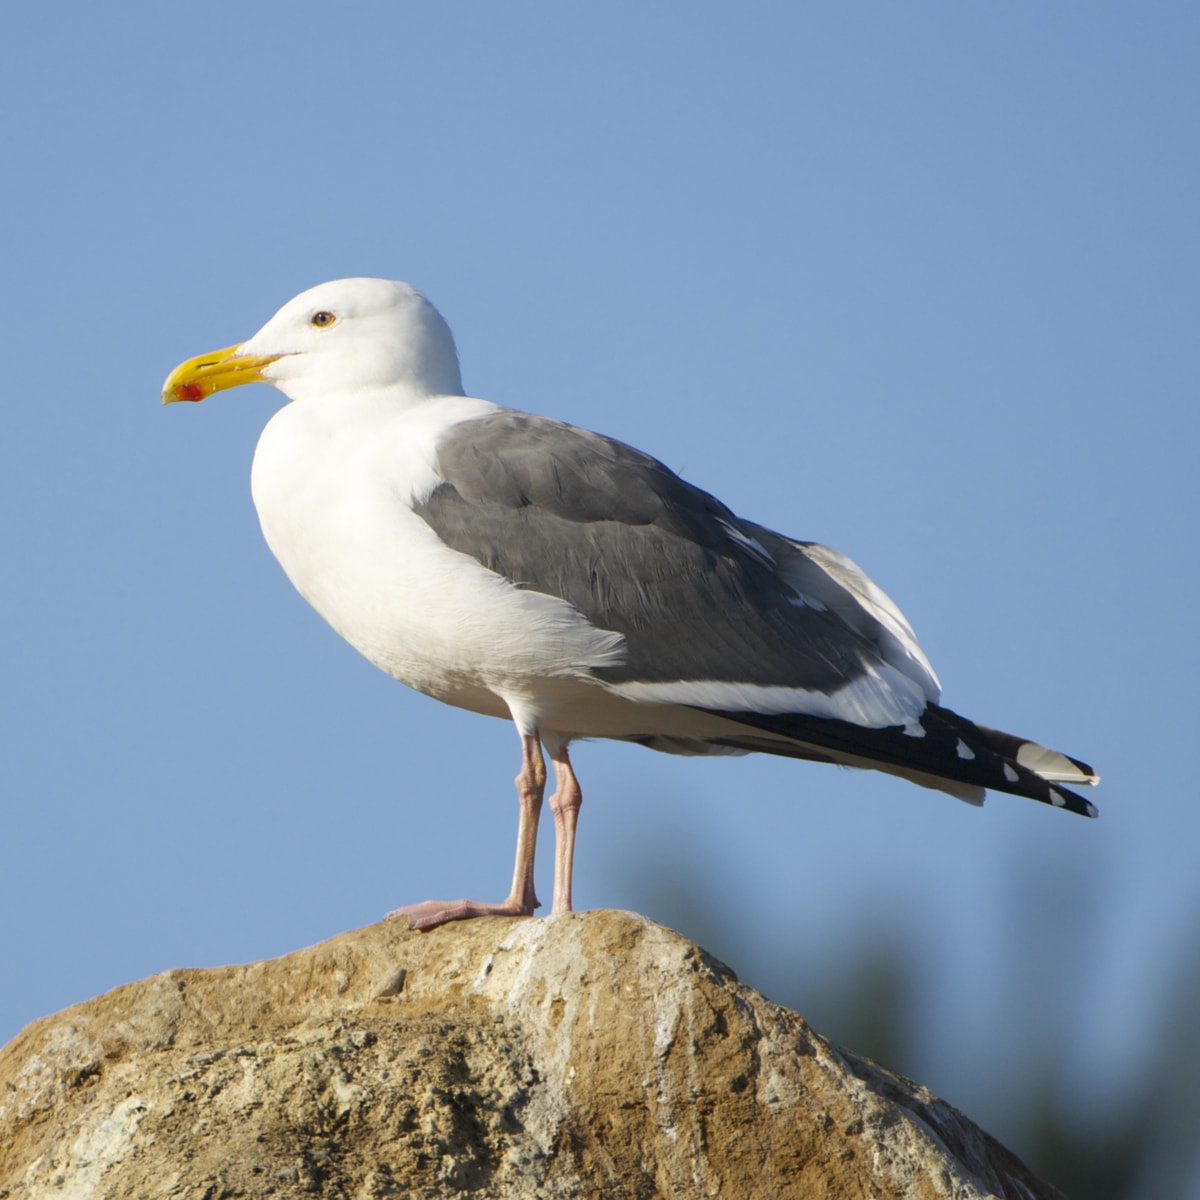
(189, 391)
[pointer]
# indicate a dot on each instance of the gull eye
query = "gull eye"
(323, 320)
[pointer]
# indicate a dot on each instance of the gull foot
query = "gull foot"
(431, 913)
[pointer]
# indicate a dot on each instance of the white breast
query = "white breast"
(334, 492)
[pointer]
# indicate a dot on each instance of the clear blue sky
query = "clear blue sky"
(917, 281)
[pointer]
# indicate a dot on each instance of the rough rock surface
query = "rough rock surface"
(585, 1055)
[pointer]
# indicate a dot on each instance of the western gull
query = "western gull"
(521, 567)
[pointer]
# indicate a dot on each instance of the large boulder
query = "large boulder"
(589, 1054)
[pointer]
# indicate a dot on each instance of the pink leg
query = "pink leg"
(521, 901)
(564, 804)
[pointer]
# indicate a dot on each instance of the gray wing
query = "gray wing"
(788, 639)
(696, 593)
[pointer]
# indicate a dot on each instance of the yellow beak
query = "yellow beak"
(199, 377)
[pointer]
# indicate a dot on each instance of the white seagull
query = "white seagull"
(520, 567)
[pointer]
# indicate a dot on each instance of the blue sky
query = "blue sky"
(916, 281)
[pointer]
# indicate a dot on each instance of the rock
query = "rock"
(584, 1055)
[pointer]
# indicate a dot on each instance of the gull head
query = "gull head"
(347, 337)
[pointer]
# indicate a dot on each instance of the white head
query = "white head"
(340, 338)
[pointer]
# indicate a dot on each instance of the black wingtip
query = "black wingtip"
(1061, 798)
(948, 747)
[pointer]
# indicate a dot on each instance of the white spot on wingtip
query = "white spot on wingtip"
(963, 750)
(1010, 774)
(1056, 799)
(1092, 810)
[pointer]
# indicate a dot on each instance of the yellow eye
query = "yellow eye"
(323, 320)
